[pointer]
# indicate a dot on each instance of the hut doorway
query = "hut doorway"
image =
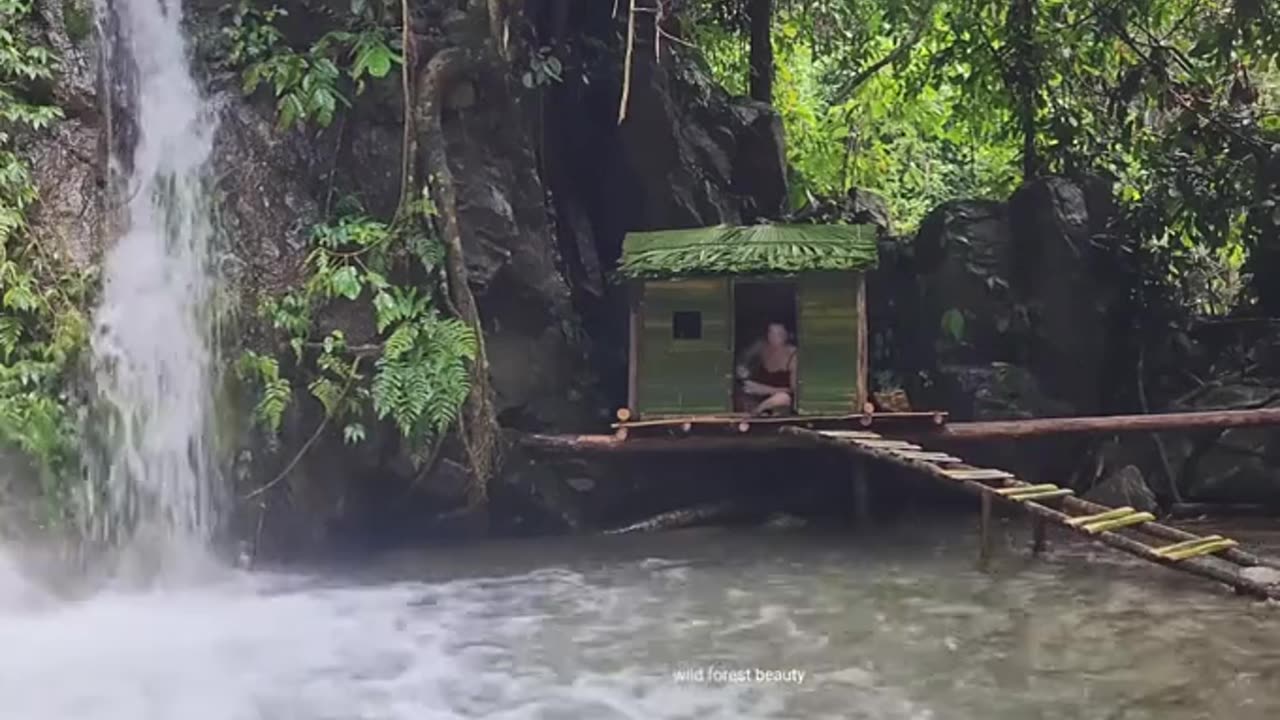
(756, 304)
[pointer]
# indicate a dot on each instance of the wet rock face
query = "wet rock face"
(697, 156)
(1241, 464)
(266, 202)
(68, 161)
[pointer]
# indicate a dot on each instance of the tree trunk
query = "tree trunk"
(1024, 79)
(760, 18)
(478, 426)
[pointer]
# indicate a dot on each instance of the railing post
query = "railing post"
(1038, 528)
(984, 531)
(861, 493)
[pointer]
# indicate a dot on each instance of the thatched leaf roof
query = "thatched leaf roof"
(751, 250)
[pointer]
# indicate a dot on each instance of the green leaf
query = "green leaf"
(345, 282)
(953, 325)
(353, 433)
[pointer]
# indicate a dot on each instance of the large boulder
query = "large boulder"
(1124, 487)
(994, 391)
(1055, 275)
(963, 255)
(697, 156)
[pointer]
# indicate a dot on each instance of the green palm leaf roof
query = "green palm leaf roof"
(750, 250)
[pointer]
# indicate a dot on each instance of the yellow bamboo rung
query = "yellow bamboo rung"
(1043, 495)
(889, 444)
(1115, 524)
(977, 474)
(1186, 544)
(850, 434)
(928, 456)
(1205, 548)
(1108, 515)
(1020, 489)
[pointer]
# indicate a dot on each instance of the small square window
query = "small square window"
(686, 325)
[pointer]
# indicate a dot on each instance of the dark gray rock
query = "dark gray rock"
(1123, 487)
(267, 206)
(963, 254)
(1055, 275)
(699, 157)
(995, 391)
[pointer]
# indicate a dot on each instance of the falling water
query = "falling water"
(153, 356)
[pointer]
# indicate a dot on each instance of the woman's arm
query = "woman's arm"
(743, 364)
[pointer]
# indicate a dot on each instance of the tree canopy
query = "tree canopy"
(1176, 103)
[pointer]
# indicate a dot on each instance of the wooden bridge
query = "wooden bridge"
(894, 439)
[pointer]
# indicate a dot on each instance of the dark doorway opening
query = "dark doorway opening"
(756, 304)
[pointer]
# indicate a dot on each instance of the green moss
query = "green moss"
(77, 17)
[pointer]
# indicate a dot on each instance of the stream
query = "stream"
(693, 624)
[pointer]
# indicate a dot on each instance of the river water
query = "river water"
(896, 624)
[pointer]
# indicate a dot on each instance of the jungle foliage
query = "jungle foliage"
(1175, 102)
(42, 327)
(393, 271)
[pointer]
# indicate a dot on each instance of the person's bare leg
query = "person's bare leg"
(776, 401)
(751, 387)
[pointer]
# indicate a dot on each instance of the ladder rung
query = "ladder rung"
(1117, 523)
(1186, 544)
(1108, 515)
(1044, 495)
(1020, 489)
(889, 444)
(850, 434)
(1207, 548)
(978, 474)
(927, 456)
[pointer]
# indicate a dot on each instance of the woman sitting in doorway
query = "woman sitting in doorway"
(767, 370)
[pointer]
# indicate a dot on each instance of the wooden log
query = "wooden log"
(1202, 567)
(682, 518)
(1013, 429)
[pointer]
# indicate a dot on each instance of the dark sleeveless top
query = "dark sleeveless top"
(775, 378)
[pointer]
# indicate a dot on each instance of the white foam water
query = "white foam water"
(153, 356)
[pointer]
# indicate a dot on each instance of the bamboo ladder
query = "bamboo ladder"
(1211, 556)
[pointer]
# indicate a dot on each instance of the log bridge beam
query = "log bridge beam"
(1212, 557)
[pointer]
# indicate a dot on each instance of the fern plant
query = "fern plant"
(420, 379)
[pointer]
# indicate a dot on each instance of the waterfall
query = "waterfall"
(152, 345)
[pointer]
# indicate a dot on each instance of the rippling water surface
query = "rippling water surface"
(892, 625)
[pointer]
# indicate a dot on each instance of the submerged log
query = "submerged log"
(694, 443)
(1101, 425)
(682, 518)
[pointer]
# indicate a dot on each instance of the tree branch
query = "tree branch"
(894, 55)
